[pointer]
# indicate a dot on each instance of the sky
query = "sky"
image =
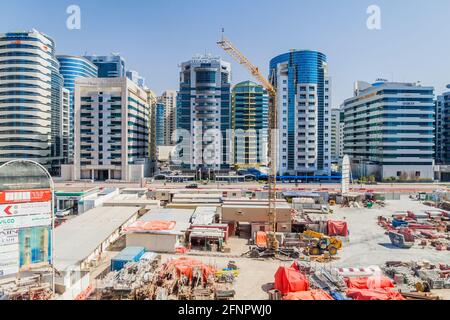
(155, 36)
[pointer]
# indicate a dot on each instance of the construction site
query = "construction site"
(378, 246)
(238, 242)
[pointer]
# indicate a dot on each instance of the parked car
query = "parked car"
(63, 213)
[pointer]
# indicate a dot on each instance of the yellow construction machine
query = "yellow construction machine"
(321, 243)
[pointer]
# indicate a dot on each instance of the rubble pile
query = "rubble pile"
(419, 276)
(30, 288)
(124, 284)
(427, 229)
(177, 279)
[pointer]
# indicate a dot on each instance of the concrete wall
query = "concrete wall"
(160, 243)
(384, 172)
(67, 173)
(137, 172)
(426, 172)
(254, 214)
(71, 283)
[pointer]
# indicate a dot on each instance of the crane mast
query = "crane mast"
(230, 49)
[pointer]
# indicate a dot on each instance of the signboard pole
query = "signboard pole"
(27, 191)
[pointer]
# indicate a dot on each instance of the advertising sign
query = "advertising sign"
(9, 236)
(25, 196)
(37, 220)
(10, 210)
(26, 216)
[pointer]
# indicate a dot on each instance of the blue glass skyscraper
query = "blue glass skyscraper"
(109, 66)
(304, 112)
(71, 68)
(160, 124)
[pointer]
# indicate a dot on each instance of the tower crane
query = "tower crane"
(230, 49)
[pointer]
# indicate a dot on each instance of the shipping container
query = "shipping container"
(129, 254)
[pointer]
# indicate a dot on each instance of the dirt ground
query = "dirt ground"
(368, 246)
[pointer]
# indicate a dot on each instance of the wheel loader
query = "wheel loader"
(321, 243)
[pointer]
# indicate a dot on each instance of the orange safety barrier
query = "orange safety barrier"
(181, 250)
(261, 239)
(142, 226)
(85, 294)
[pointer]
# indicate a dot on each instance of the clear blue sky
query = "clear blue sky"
(156, 35)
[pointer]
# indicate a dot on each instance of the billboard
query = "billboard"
(26, 217)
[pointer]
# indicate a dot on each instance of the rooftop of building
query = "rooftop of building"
(181, 217)
(363, 88)
(68, 56)
(254, 204)
(61, 190)
(95, 226)
(286, 55)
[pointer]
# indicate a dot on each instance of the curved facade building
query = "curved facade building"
(30, 99)
(250, 107)
(71, 68)
(304, 113)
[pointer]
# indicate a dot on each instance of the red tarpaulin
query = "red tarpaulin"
(337, 228)
(374, 294)
(309, 295)
(289, 280)
(375, 282)
(185, 266)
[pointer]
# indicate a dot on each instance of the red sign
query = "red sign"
(7, 210)
(24, 196)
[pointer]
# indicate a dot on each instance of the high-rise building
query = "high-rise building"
(169, 100)
(30, 99)
(65, 128)
(71, 68)
(153, 150)
(304, 113)
(136, 78)
(442, 135)
(337, 135)
(112, 66)
(250, 123)
(204, 111)
(389, 130)
(111, 130)
(160, 124)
